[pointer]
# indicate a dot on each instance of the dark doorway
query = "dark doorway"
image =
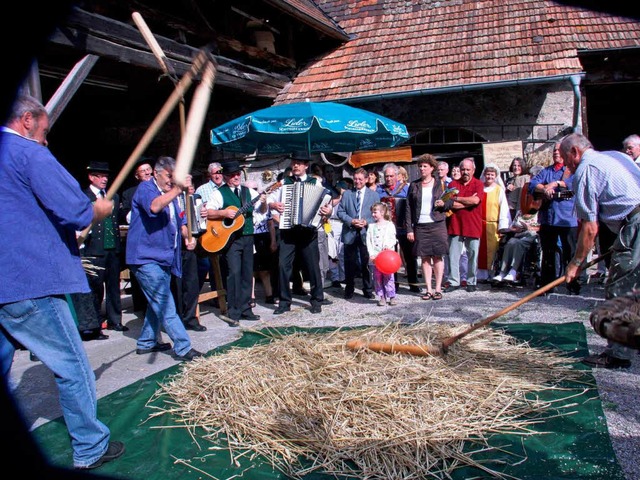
(612, 114)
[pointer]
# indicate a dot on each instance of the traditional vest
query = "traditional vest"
(229, 199)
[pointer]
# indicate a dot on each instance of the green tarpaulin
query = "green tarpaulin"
(575, 446)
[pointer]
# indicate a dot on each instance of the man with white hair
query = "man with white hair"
(205, 191)
(607, 189)
(631, 146)
(394, 192)
(443, 172)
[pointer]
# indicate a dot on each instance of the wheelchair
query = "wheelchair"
(529, 270)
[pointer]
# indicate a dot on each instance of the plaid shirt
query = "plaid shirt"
(206, 191)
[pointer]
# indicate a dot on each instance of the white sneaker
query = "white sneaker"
(381, 302)
(497, 278)
(509, 278)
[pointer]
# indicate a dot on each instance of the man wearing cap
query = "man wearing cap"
(299, 240)
(224, 205)
(101, 249)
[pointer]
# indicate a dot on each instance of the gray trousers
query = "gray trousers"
(456, 244)
(515, 252)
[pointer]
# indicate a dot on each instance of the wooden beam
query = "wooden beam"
(69, 87)
(231, 44)
(31, 84)
(98, 35)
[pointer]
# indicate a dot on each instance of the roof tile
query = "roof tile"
(403, 45)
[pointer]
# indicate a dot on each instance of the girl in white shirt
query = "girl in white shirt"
(381, 235)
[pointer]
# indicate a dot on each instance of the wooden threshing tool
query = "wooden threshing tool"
(441, 350)
(201, 60)
(190, 129)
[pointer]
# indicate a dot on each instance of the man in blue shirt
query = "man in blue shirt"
(558, 222)
(38, 269)
(153, 250)
(607, 188)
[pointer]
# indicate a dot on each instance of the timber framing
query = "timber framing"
(94, 34)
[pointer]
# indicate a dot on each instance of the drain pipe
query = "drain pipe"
(575, 80)
(577, 112)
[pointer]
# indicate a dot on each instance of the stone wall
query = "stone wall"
(534, 114)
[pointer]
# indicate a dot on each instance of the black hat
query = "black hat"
(98, 167)
(230, 166)
(301, 157)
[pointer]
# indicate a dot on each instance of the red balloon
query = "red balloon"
(388, 262)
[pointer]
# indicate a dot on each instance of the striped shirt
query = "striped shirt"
(606, 187)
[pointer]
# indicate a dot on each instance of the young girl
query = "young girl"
(381, 235)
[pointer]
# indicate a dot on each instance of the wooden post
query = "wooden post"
(219, 293)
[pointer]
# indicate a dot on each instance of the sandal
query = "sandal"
(427, 296)
(437, 296)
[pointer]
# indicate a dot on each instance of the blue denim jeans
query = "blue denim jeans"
(46, 328)
(155, 281)
(6, 356)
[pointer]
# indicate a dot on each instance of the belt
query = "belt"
(631, 214)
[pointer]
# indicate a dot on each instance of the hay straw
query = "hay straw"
(306, 403)
(89, 268)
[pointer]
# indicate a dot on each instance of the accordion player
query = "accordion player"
(302, 204)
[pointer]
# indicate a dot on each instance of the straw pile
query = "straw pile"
(90, 268)
(306, 403)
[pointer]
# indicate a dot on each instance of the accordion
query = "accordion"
(302, 203)
(198, 224)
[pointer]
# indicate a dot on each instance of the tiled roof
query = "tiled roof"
(418, 45)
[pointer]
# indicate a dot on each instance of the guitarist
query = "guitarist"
(557, 219)
(224, 205)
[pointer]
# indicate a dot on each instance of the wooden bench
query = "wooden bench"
(221, 294)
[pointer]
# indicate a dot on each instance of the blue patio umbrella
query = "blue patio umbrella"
(311, 127)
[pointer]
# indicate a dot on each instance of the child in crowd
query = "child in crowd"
(381, 235)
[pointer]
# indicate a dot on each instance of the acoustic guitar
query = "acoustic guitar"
(218, 232)
(533, 203)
